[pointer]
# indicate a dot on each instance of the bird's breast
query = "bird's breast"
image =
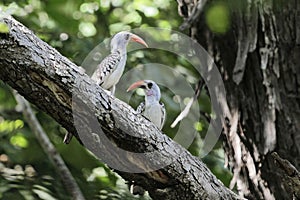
(154, 113)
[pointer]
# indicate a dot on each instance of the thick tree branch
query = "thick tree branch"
(101, 122)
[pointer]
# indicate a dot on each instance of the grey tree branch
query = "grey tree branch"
(63, 171)
(105, 125)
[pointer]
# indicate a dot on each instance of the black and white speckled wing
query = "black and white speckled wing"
(141, 108)
(164, 115)
(106, 68)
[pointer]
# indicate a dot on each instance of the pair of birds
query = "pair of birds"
(110, 70)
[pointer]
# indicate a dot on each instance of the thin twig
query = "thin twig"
(186, 110)
(66, 176)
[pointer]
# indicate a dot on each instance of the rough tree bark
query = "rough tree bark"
(259, 58)
(49, 80)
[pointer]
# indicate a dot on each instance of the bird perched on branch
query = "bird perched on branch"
(110, 70)
(153, 110)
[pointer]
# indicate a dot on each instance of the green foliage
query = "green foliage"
(9, 125)
(74, 28)
(218, 18)
(3, 28)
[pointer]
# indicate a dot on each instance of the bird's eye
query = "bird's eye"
(150, 85)
(127, 36)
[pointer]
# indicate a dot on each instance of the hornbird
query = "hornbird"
(110, 70)
(151, 108)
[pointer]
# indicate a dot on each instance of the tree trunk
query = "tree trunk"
(108, 127)
(259, 60)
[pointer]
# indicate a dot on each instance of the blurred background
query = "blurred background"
(74, 28)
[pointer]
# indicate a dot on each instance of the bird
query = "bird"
(153, 110)
(111, 68)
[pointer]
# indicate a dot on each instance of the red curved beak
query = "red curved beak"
(138, 40)
(136, 85)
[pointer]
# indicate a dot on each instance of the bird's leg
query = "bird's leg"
(112, 90)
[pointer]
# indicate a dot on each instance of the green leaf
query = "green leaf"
(4, 28)
(198, 126)
(218, 18)
(19, 140)
(9, 126)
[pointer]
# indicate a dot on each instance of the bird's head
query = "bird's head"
(121, 39)
(151, 88)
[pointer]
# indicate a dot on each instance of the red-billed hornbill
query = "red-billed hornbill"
(111, 68)
(152, 109)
